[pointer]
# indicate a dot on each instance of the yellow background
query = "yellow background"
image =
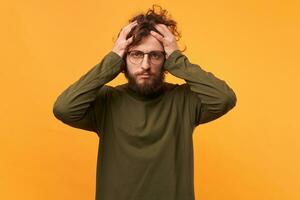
(251, 153)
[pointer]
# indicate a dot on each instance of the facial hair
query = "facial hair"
(148, 87)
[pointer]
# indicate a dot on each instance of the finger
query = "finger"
(157, 36)
(131, 24)
(128, 28)
(158, 28)
(164, 29)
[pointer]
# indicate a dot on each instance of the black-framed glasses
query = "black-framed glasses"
(156, 57)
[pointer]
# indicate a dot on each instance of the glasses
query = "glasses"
(156, 57)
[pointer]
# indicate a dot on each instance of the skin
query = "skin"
(146, 78)
(121, 43)
(168, 40)
(148, 44)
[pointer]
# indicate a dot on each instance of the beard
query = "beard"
(148, 87)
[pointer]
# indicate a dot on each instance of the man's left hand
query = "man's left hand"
(168, 39)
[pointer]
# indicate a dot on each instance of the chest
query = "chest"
(146, 120)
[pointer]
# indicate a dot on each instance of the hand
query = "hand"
(121, 43)
(168, 39)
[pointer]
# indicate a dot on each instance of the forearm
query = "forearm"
(72, 104)
(215, 95)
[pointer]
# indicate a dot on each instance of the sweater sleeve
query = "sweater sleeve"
(208, 96)
(76, 105)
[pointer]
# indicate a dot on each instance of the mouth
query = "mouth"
(144, 76)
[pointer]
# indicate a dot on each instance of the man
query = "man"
(145, 126)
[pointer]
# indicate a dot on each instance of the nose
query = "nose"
(145, 63)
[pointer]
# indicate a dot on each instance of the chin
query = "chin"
(145, 86)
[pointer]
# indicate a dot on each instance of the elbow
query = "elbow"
(59, 111)
(230, 100)
(56, 111)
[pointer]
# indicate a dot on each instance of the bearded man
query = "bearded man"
(145, 126)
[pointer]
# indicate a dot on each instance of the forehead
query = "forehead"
(148, 43)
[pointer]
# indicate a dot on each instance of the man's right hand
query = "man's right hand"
(121, 43)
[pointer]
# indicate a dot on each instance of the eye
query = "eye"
(156, 55)
(136, 54)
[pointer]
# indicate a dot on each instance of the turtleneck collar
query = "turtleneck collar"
(145, 97)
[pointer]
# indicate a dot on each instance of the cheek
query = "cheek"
(130, 68)
(157, 70)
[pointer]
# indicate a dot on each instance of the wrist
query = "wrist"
(168, 54)
(120, 53)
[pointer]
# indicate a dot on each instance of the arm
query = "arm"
(209, 97)
(75, 106)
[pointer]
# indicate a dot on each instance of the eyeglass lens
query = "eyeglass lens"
(155, 57)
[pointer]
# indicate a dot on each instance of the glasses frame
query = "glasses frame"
(128, 54)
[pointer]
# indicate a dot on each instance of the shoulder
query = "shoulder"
(104, 90)
(176, 88)
(113, 91)
(181, 92)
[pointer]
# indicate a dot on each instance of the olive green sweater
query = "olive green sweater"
(145, 142)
